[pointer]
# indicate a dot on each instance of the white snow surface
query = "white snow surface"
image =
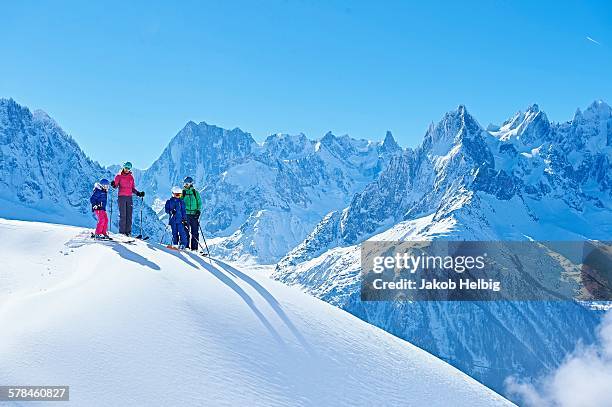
(139, 324)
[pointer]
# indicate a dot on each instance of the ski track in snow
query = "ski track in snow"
(139, 324)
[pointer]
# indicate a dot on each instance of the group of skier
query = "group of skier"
(183, 208)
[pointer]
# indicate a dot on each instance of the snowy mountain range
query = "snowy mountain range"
(164, 328)
(47, 177)
(547, 175)
(528, 179)
(263, 199)
(307, 205)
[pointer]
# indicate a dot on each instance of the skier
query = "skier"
(125, 182)
(175, 207)
(193, 207)
(98, 206)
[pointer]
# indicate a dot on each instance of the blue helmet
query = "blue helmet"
(188, 181)
(127, 165)
(104, 182)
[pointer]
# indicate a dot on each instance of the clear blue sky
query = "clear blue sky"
(124, 78)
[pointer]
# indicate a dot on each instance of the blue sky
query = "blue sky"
(124, 78)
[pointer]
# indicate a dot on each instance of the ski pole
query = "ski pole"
(110, 226)
(112, 194)
(205, 244)
(164, 234)
(141, 205)
(199, 245)
(190, 234)
(201, 248)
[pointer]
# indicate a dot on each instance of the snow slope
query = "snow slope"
(142, 325)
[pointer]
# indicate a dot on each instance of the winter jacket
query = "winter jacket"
(177, 206)
(193, 202)
(98, 199)
(125, 182)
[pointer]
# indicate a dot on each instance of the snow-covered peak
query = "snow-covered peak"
(455, 127)
(288, 147)
(344, 144)
(524, 127)
(202, 151)
(41, 115)
(9, 103)
(598, 110)
(209, 133)
(11, 111)
(590, 129)
(389, 143)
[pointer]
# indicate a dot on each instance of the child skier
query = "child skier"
(98, 206)
(175, 207)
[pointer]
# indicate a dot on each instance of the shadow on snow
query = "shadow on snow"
(228, 281)
(127, 254)
(265, 294)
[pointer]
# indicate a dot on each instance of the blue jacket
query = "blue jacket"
(98, 198)
(178, 206)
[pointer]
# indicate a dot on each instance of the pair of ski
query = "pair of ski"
(201, 253)
(122, 239)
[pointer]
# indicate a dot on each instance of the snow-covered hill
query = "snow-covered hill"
(44, 175)
(136, 325)
(263, 199)
(527, 179)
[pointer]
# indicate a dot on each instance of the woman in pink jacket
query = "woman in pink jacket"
(125, 182)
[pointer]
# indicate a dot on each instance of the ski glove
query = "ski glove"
(113, 184)
(140, 194)
(198, 213)
(173, 212)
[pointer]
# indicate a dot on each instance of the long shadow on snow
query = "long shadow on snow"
(178, 255)
(127, 254)
(266, 295)
(243, 294)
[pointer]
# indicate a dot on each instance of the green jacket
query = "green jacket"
(193, 202)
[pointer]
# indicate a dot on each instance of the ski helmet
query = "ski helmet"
(104, 183)
(188, 181)
(127, 165)
(177, 190)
